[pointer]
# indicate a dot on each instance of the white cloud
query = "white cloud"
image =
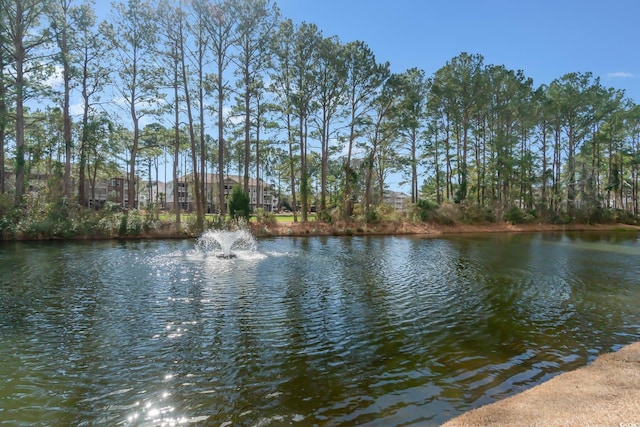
(55, 80)
(619, 74)
(76, 109)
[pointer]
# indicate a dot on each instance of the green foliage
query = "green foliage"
(596, 215)
(264, 217)
(134, 223)
(122, 231)
(424, 210)
(304, 192)
(372, 216)
(190, 225)
(8, 216)
(41, 219)
(324, 216)
(239, 203)
(473, 213)
(515, 215)
(382, 213)
(218, 222)
(625, 217)
(388, 213)
(561, 218)
(285, 205)
(447, 214)
(428, 211)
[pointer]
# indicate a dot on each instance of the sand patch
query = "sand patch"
(604, 393)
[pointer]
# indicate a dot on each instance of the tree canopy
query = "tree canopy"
(233, 87)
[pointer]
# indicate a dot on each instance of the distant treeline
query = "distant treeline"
(218, 86)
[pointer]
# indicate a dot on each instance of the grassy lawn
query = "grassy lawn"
(289, 217)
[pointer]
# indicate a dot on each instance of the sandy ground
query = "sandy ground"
(604, 393)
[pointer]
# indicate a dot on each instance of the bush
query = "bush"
(264, 217)
(388, 213)
(515, 215)
(561, 218)
(48, 215)
(447, 214)
(7, 208)
(8, 216)
(476, 214)
(601, 216)
(108, 223)
(424, 210)
(239, 203)
(123, 226)
(372, 216)
(625, 217)
(133, 223)
(84, 222)
(324, 215)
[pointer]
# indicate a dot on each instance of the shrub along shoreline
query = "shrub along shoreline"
(136, 225)
(60, 220)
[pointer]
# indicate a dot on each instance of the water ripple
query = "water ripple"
(325, 331)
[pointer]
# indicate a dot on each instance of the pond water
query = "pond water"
(331, 331)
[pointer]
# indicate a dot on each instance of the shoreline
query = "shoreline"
(317, 228)
(314, 228)
(606, 392)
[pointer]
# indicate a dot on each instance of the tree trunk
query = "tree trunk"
(348, 202)
(544, 164)
(176, 147)
(3, 122)
(203, 146)
(19, 56)
(247, 128)
(304, 179)
(367, 186)
(414, 167)
(448, 169)
(192, 139)
(66, 116)
(259, 187)
(556, 201)
(324, 167)
(221, 198)
(131, 193)
(292, 171)
(82, 198)
(634, 195)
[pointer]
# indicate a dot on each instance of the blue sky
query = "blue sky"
(544, 38)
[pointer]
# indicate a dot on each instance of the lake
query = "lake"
(328, 331)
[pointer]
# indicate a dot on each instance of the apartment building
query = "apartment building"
(261, 194)
(398, 200)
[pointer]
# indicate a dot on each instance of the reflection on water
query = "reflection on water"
(306, 331)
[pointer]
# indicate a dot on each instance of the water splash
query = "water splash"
(224, 243)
